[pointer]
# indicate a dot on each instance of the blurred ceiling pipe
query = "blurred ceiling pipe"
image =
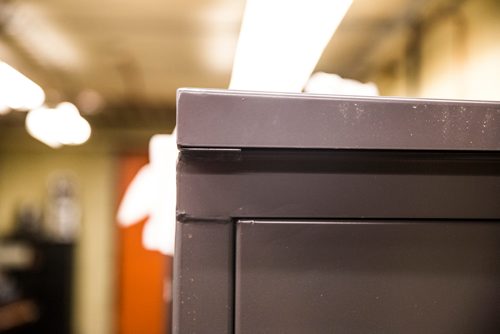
(132, 78)
(413, 61)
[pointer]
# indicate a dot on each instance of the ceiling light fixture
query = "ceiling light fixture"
(17, 91)
(4, 109)
(328, 83)
(281, 42)
(58, 126)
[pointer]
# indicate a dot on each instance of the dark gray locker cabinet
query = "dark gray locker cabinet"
(305, 213)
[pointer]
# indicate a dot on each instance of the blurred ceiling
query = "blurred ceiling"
(121, 61)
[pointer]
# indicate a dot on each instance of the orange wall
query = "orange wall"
(141, 307)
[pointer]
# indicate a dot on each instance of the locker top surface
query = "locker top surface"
(254, 120)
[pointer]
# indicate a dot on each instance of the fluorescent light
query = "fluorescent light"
(42, 124)
(74, 129)
(17, 91)
(281, 42)
(220, 22)
(58, 126)
(219, 51)
(4, 109)
(327, 83)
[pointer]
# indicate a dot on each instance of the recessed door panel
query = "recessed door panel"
(367, 277)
